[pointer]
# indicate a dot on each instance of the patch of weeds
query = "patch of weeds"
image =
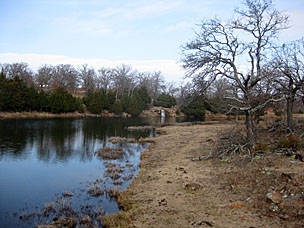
(257, 157)
(225, 160)
(290, 142)
(261, 147)
(121, 219)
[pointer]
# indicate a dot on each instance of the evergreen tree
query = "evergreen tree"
(43, 104)
(165, 100)
(125, 101)
(136, 105)
(196, 108)
(143, 93)
(31, 99)
(79, 105)
(16, 94)
(95, 103)
(117, 107)
(111, 99)
(62, 101)
(3, 96)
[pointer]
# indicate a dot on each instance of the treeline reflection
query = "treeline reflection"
(59, 140)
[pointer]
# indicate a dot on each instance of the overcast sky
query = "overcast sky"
(144, 34)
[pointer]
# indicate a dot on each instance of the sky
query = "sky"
(105, 33)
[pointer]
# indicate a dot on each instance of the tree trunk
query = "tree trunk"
(289, 110)
(250, 129)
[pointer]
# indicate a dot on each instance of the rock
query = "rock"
(162, 202)
(192, 187)
(274, 197)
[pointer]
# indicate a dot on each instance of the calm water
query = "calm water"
(41, 159)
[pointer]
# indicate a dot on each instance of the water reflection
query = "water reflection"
(58, 140)
(39, 158)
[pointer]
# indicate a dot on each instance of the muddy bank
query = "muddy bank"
(171, 190)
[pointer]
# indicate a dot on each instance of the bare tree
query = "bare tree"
(87, 76)
(218, 51)
(104, 78)
(124, 77)
(65, 76)
(171, 89)
(21, 70)
(44, 76)
(157, 84)
(217, 92)
(289, 65)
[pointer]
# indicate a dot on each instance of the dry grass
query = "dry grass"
(34, 115)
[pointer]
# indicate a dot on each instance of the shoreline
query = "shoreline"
(172, 190)
(45, 115)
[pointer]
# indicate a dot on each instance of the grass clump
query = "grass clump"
(290, 142)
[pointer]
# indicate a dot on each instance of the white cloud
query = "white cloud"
(169, 68)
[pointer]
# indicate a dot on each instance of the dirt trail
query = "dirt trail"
(171, 190)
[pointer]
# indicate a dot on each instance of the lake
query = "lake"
(52, 167)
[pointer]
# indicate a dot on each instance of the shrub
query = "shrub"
(263, 147)
(291, 142)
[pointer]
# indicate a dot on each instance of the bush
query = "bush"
(291, 142)
(263, 147)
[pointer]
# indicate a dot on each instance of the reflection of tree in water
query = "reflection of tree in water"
(13, 138)
(56, 139)
(62, 139)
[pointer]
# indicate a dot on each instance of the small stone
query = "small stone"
(274, 197)
(192, 186)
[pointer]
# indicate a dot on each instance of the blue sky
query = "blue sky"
(145, 34)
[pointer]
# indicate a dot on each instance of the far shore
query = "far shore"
(44, 115)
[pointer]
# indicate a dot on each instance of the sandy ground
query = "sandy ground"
(171, 190)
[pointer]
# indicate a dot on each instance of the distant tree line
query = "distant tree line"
(53, 89)
(15, 95)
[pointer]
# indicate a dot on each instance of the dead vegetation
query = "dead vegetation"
(108, 153)
(266, 189)
(268, 176)
(116, 140)
(235, 187)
